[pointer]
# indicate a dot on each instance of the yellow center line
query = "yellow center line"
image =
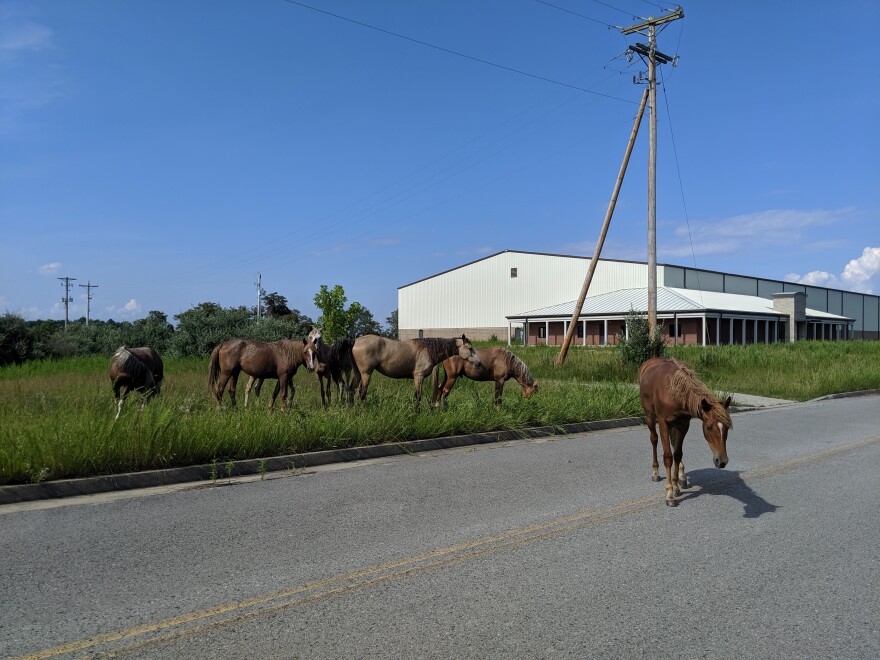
(311, 592)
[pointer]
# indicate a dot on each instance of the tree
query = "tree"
(361, 321)
(333, 319)
(276, 305)
(391, 323)
(641, 344)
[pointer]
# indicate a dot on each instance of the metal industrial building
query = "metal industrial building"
(529, 297)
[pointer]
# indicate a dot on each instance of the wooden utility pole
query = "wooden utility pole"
(66, 299)
(88, 287)
(653, 56)
(560, 359)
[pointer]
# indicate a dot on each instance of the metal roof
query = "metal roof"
(670, 301)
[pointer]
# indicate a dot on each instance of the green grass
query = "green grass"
(57, 417)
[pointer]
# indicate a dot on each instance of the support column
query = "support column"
(605, 336)
(584, 332)
(731, 332)
(704, 329)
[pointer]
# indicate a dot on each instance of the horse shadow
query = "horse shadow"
(718, 482)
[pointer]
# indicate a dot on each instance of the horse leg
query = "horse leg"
(119, 393)
(233, 382)
(677, 455)
(651, 421)
(499, 390)
(671, 481)
(247, 390)
(447, 385)
(363, 384)
(321, 387)
(220, 388)
(418, 379)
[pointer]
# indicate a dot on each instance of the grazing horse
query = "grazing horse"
(137, 369)
(256, 384)
(258, 359)
(497, 364)
(671, 395)
(335, 365)
(404, 359)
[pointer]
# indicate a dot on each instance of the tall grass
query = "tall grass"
(56, 418)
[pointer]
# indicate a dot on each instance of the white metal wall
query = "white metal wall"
(481, 294)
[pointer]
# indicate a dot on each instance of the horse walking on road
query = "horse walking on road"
(404, 359)
(671, 395)
(138, 369)
(497, 364)
(259, 359)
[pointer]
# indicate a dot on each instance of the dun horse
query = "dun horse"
(404, 359)
(259, 359)
(497, 364)
(137, 369)
(671, 395)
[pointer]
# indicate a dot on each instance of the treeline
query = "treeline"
(196, 333)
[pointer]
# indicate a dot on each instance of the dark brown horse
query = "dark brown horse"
(671, 395)
(404, 359)
(335, 365)
(259, 359)
(496, 364)
(138, 369)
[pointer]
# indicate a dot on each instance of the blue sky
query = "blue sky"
(170, 151)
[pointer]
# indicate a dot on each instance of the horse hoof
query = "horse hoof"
(683, 484)
(655, 477)
(671, 502)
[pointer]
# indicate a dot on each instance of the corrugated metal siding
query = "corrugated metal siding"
(483, 293)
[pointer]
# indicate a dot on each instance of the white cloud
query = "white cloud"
(50, 269)
(862, 274)
(130, 308)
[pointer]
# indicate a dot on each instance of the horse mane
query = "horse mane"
(438, 349)
(518, 368)
(689, 391)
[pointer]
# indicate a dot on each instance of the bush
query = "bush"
(641, 345)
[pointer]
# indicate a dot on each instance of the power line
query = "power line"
(458, 54)
(574, 13)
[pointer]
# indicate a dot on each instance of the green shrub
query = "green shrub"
(641, 344)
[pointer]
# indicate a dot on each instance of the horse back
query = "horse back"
(655, 377)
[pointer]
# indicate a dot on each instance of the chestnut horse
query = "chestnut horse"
(404, 359)
(497, 364)
(671, 395)
(138, 369)
(279, 359)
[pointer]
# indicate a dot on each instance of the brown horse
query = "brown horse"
(497, 364)
(256, 384)
(671, 395)
(138, 369)
(279, 359)
(404, 359)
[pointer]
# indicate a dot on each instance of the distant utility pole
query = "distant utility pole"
(260, 293)
(88, 287)
(653, 56)
(66, 299)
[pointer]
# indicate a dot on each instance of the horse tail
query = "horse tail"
(214, 369)
(435, 386)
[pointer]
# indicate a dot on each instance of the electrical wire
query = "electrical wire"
(569, 11)
(457, 53)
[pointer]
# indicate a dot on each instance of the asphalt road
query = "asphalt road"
(532, 549)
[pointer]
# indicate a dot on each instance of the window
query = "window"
(542, 332)
(513, 272)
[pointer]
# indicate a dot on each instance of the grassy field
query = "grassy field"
(57, 417)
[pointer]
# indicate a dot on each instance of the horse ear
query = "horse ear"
(305, 341)
(726, 402)
(705, 405)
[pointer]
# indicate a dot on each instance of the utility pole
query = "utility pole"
(88, 287)
(66, 299)
(260, 293)
(653, 56)
(560, 359)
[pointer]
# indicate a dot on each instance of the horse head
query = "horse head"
(466, 351)
(529, 390)
(716, 424)
(315, 335)
(310, 354)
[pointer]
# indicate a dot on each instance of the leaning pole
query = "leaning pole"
(560, 359)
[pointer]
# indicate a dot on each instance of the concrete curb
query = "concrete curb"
(846, 395)
(128, 481)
